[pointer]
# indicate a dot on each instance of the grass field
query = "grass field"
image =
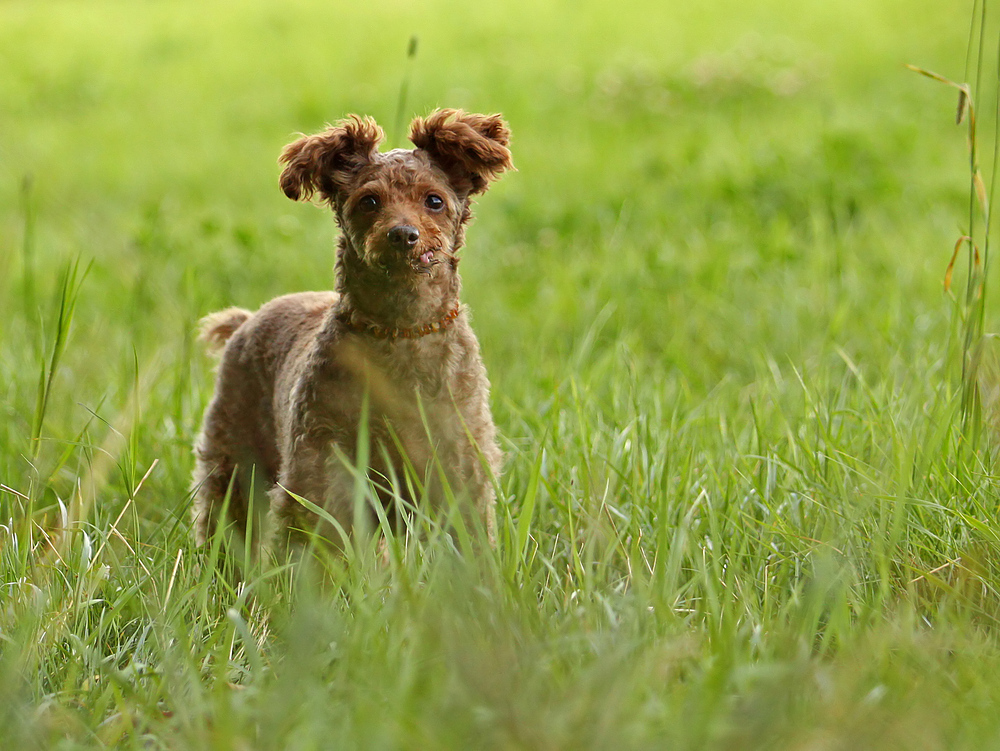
(738, 511)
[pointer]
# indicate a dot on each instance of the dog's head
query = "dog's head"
(404, 210)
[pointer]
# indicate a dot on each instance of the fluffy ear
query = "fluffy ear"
(324, 162)
(471, 149)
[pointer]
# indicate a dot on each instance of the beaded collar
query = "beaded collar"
(384, 332)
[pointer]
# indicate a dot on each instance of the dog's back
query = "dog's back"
(240, 430)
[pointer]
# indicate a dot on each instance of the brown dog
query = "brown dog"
(296, 377)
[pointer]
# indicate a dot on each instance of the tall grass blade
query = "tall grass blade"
(69, 290)
(327, 517)
(404, 91)
(28, 242)
(526, 515)
(361, 491)
(977, 235)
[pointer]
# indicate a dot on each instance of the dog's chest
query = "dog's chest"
(405, 393)
(423, 366)
(396, 380)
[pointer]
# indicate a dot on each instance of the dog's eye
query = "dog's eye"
(434, 202)
(368, 203)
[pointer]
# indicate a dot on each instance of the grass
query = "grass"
(739, 509)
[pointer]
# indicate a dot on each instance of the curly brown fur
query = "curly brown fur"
(294, 376)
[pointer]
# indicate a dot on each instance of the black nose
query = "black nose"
(404, 236)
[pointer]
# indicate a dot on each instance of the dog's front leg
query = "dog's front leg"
(311, 472)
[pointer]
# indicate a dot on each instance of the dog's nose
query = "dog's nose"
(404, 236)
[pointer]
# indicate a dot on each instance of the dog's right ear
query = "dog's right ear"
(324, 162)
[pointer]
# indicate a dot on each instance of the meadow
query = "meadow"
(740, 508)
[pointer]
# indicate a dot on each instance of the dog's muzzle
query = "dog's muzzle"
(403, 241)
(403, 236)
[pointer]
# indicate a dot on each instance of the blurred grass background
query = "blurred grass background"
(738, 511)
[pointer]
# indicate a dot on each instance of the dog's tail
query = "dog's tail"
(216, 328)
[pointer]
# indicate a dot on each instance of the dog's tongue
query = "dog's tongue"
(426, 257)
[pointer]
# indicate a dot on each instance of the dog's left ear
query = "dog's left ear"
(471, 149)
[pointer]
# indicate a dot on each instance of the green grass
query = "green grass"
(738, 509)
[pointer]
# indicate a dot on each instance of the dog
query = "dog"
(391, 348)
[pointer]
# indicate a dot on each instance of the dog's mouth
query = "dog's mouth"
(419, 260)
(425, 259)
